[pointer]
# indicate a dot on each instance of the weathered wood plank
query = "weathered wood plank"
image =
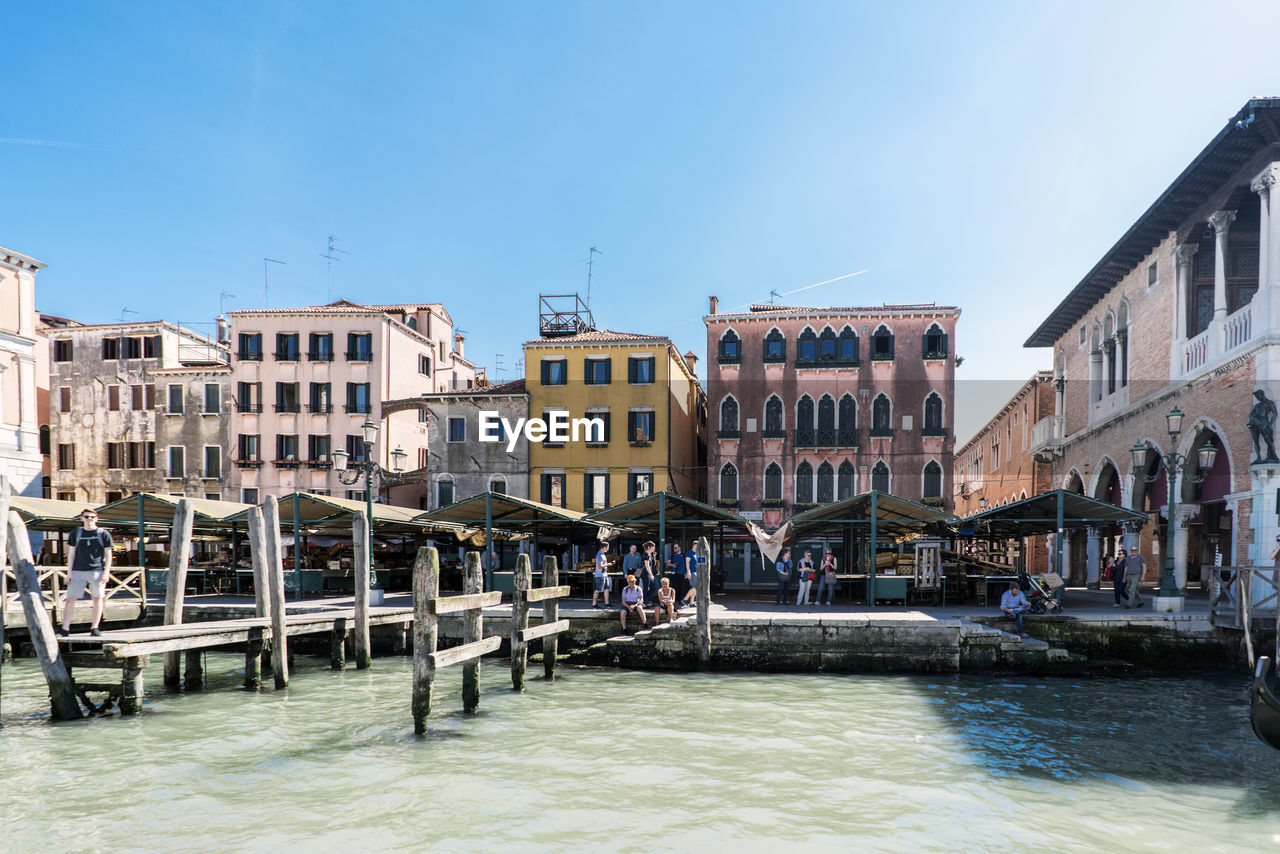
(550, 615)
(275, 577)
(545, 630)
(89, 660)
(469, 654)
(454, 604)
(704, 605)
(426, 584)
(193, 677)
(184, 517)
(540, 594)
(253, 660)
(62, 694)
(472, 632)
(338, 645)
(258, 557)
(131, 685)
(520, 620)
(360, 542)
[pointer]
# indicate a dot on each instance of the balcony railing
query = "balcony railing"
(1047, 434)
(805, 438)
(249, 407)
(730, 434)
(249, 355)
(1196, 352)
(1238, 328)
(358, 408)
(248, 464)
(359, 356)
(287, 355)
(773, 434)
(847, 438)
(828, 362)
(287, 407)
(320, 355)
(320, 408)
(881, 432)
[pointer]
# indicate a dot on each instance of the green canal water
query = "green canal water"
(606, 760)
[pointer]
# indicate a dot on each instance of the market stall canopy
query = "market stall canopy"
(1045, 514)
(325, 514)
(47, 514)
(675, 511)
(514, 515)
(894, 517)
(155, 511)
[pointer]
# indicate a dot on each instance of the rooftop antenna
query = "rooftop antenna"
(497, 364)
(591, 263)
(125, 311)
(222, 299)
(328, 267)
(773, 297)
(266, 282)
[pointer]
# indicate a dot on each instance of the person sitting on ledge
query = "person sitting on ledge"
(1014, 604)
(632, 603)
(666, 602)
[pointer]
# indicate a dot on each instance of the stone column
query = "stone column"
(1131, 531)
(1180, 520)
(1093, 555)
(1096, 379)
(1183, 255)
(1221, 222)
(1262, 186)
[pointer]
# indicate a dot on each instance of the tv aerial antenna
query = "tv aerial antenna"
(223, 296)
(266, 281)
(125, 311)
(590, 261)
(328, 267)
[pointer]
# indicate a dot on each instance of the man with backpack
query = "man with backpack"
(783, 566)
(88, 563)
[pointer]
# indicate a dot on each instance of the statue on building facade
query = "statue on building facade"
(1262, 427)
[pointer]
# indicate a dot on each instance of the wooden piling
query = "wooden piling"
(253, 660)
(704, 606)
(550, 614)
(523, 580)
(131, 685)
(62, 695)
(193, 674)
(258, 559)
(275, 572)
(472, 628)
(338, 645)
(426, 586)
(360, 540)
(179, 549)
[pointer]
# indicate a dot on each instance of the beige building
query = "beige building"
(22, 359)
(305, 379)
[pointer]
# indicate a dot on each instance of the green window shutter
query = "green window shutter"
(631, 370)
(944, 344)
(546, 373)
(608, 371)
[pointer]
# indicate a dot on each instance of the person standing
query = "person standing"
(1118, 578)
(826, 578)
(600, 580)
(88, 564)
(631, 563)
(676, 569)
(648, 578)
(807, 576)
(783, 566)
(691, 578)
(1136, 569)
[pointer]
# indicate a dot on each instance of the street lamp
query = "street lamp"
(1173, 464)
(982, 503)
(349, 473)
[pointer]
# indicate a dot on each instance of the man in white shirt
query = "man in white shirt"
(600, 580)
(1014, 604)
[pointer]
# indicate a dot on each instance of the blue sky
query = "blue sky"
(981, 154)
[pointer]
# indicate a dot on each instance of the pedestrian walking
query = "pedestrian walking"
(783, 567)
(691, 577)
(1118, 582)
(1136, 572)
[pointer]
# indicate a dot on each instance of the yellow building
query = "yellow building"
(653, 409)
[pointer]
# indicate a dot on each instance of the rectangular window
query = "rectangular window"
(116, 455)
(596, 490)
(424, 364)
(639, 485)
(62, 350)
(64, 399)
(71, 496)
(287, 447)
(457, 429)
(423, 460)
(640, 428)
(249, 397)
(131, 348)
(113, 398)
(213, 496)
(546, 417)
(177, 461)
(212, 399)
(175, 399)
(151, 347)
(286, 397)
(553, 491)
(591, 435)
(110, 348)
(555, 371)
(142, 455)
(444, 493)
(318, 449)
(640, 370)
(248, 447)
(136, 396)
(286, 346)
(320, 347)
(359, 347)
(358, 397)
(321, 400)
(1153, 274)
(250, 349)
(596, 371)
(355, 495)
(356, 449)
(149, 396)
(249, 496)
(424, 416)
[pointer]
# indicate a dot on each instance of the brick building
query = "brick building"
(994, 464)
(1183, 311)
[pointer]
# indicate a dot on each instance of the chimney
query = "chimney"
(457, 345)
(715, 305)
(224, 331)
(692, 360)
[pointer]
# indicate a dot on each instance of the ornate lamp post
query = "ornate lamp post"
(1173, 464)
(350, 472)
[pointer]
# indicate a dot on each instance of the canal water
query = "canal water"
(630, 761)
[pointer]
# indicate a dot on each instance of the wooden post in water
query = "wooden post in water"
(275, 572)
(176, 589)
(704, 606)
(472, 627)
(550, 614)
(426, 586)
(62, 694)
(338, 645)
(360, 540)
(253, 660)
(258, 558)
(523, 580)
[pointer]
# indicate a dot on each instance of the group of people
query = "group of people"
(1127, 570)
(649, 585)
(805, 572)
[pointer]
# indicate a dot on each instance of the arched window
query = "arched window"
(827, 414)
(1095, 364)
(933, 415)
(882, 345)
(773, 425)
(848, 423)
(826, 483)
(848, 346)
(775, 346)
(845, 480)
(773, 482)
(881, 416)
(932, 480)
(827, 344)
(935, 343)
(1109, 353)
(804, 483)
(1122, 343)
(729, 418)
(880, 477)
(730, 348)
(498, 485)
(728, 482)
(804, 422)
(807, 350)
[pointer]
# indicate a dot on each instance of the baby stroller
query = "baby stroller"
(1041, 594)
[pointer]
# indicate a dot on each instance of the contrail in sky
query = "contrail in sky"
(48, 143)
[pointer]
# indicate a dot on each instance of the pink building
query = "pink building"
(23, 361)
(305, 379)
